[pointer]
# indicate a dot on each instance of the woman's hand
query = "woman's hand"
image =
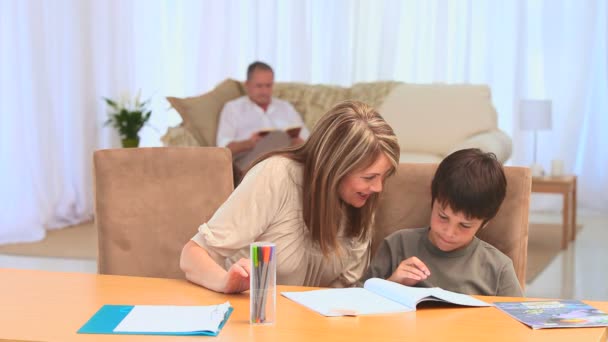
(410, 271)
(237, 277)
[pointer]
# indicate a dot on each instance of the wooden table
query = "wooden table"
(52, 306)
(565, 185)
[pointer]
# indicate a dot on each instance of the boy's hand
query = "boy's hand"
(410, 271)
(237, 277)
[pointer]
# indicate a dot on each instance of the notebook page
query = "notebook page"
(411, 296)
(405, 295)
(173, 318)
(351, 301)
(457, 298)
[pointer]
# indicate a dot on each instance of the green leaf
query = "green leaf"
(111, 103)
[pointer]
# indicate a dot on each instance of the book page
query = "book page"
(293, 132)
(405, 295)
(265, 131)
(351, 301)
(173, 318)
(456, 298)
(411, 296)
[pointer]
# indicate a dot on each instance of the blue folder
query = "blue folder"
(108, 317)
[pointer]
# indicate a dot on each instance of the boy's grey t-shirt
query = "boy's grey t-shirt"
(477, 269)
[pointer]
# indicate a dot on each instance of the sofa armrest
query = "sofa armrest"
(495, 141)
(178, 136)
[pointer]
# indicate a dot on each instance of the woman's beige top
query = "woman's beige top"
(267, 206)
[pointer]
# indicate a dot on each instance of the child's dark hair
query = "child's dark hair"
(471, 182)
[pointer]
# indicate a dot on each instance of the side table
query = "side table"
(565, 185)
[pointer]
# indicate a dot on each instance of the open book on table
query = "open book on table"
(378, 296)
(555, 314)
(292, 131)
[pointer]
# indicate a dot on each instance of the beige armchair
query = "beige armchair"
(406, 203)
(149, 202)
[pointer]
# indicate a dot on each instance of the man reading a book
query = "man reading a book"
(467, 190)
(257, 123)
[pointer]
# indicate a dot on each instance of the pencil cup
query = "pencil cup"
(262, 283)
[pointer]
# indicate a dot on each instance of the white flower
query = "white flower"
(124, 100)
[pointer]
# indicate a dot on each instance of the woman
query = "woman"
(315, 201)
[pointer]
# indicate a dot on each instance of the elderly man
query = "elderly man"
(245, 122)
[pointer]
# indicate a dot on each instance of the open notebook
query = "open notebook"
(378, 296)
(158, 320)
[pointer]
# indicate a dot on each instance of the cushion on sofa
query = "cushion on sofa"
(372, 93)
(433, 118)
(413, 157)
(200, 113)
(311, 101)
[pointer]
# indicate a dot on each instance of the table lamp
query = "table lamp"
(535, 115)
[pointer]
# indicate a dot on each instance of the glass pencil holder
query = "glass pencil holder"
(262, 283)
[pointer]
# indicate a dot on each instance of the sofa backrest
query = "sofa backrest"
(311, 101)
(406, 203)
(200, 114)
(433, 118)
(430, 121)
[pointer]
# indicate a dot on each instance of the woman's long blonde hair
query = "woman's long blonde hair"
(349, 137)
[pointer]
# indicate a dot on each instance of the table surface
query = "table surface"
(52, 306)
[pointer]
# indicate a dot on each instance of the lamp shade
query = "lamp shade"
(535, 114)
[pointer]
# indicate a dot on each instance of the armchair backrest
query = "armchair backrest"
(150, 201)
(406, 203)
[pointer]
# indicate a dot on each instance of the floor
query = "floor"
(580, 272)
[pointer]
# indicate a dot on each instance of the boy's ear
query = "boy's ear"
(483, 225)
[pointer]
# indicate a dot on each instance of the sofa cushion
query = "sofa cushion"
(372, 93)
(200, 113)
(311, 101)
(434, 118)
(413, 157)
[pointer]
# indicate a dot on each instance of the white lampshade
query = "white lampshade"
(535, 114)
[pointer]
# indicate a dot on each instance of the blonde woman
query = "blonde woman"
(315, 201)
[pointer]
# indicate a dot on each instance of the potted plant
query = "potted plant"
(128, 118)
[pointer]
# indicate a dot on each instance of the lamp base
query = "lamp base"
(537, 170)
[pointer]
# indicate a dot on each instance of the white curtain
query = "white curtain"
(58, 58)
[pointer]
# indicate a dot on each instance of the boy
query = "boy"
(467, 190)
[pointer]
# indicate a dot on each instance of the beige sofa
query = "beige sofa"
(430, 121)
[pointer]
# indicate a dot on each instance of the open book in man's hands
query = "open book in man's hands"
(378, 296)
(292, 131)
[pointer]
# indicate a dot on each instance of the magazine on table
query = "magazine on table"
(555, 314)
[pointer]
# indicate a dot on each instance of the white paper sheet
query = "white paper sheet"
(173, 318)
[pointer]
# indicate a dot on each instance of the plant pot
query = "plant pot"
(130, 142)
